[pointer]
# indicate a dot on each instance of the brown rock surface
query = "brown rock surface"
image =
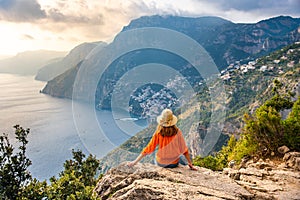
(292, 160)
(265, 180)
(283, 149)
(146, 181)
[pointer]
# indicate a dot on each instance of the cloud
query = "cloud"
(27, 37)
(245, 11)
(256, 7)
(90, 12)
(61, 12)
(56, 15)
(76, 21)
(21, 10)
(75, 12)
(249, 5)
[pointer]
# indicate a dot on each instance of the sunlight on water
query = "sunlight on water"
(53, 133)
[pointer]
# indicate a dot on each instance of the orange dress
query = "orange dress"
(169, 148)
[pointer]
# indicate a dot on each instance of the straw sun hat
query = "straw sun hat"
(166, 118)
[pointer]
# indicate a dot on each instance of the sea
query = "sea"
(57, 126)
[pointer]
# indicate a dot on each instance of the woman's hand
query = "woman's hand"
(131, 164)
(192, 167)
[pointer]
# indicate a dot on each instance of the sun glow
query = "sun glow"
(61, 25)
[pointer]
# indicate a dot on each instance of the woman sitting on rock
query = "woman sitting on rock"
(171, 144)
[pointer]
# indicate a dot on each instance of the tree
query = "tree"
(13, 165)
(35, 190)
(77, 180)
(85, 170)
(266, 129)
(281, 99)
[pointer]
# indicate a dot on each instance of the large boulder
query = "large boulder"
(146, 181)
(292, 160)
(283, 149)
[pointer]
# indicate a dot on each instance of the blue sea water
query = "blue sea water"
(55, 129)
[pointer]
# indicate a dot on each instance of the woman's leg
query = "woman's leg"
(167, 166)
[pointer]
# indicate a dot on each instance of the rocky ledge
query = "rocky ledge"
(267, 179)
(257, 180)
(146, 181)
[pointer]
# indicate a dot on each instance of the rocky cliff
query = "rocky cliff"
(67, 81)
(277, 179)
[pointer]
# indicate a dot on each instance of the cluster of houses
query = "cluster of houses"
(251, 65)
(226, 73)
(152, 102)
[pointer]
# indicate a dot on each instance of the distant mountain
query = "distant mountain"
(225, 41)
(228, 42)
(2, 57)
(29, 62)
(76, 55)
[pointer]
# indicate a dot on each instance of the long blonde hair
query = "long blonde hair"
(167, 131)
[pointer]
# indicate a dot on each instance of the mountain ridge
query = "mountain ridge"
(227, 43)
(222, 28)
(76, 55)
(28, 62)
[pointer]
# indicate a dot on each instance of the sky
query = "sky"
(62, 24)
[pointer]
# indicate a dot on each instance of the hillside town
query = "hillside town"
(237, 68)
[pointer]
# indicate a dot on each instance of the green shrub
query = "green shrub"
(265, 129)
(209, 162)
(262, 134)
(219, 160)
(77, 180)
(245, 146)
(280, 102)
(292, 128)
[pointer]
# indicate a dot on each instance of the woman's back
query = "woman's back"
(169, 147)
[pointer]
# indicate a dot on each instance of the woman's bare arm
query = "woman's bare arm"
(187, 156)
(130, 164)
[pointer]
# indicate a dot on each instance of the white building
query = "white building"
(263, 68)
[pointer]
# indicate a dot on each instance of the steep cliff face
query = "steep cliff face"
(66, 80)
